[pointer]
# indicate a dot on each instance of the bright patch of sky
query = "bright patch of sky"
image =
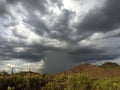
(20, 65)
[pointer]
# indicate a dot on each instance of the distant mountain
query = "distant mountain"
(110, 65)
(106, 70)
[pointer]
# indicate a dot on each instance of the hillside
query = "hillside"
(103, 77)
(106, 70)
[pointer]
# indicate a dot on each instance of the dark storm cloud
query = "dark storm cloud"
(103, 19)
(12, 1)
(30, 54)
(67, 60)
(3, 9)
(29, 5)
(32, 5)
(56, 28)
(36, 5)
(39, 25)
(88, 55)
(5, 50)
(62, 25)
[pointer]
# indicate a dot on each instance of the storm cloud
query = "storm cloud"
(60, 33)
(102, 19)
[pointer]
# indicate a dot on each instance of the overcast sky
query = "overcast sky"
(53, 35)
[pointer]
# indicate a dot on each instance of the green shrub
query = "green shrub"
(33, 81)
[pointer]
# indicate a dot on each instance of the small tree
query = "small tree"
(29, 71)
(12, 71)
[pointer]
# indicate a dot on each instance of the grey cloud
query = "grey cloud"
(3, 9)
(39, 25)
(30, 54)
(113, 34)
(59, 28)
(62, 25)
(12, 1)
(30, 7)
(33, 5)
(57, 61)
(5, 52)
(103, 19)
(59, 3)
(89, 54)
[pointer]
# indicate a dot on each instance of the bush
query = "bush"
(57, 82)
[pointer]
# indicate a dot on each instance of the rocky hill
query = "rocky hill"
(106, 70)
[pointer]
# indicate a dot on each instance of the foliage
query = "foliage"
(34, 81)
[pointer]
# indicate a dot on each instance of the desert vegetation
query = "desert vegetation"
(61, 81)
